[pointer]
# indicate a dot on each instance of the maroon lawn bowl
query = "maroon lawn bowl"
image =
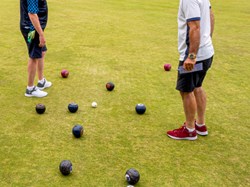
(110, 86)
(167, 67)
(64, 73)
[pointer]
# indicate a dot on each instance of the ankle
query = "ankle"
(200, 124)
(190, 129)
(30, 87)
(41, 81)
(190, 125)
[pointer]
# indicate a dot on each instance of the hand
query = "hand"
(42, 41)
(189, 64)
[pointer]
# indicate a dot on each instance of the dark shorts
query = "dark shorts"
(189, 81)
(34, 50)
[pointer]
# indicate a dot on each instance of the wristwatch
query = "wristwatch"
(192, 56)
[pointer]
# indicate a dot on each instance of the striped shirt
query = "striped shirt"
(38, 7)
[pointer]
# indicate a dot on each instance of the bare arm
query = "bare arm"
(211, 22)
(36, 23)
(194, 43)
(194, 36)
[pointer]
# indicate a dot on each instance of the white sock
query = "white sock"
(30, 87)
(200, 125)
(190, 130)
(41, 81)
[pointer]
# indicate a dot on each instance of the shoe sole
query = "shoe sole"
(186, 138)
(202, 133)
(28, 95)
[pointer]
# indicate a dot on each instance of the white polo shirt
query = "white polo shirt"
(190, 10)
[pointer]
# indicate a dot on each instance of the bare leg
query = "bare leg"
(201, 101)
(32, 63)
(40, 66)
(189, 105)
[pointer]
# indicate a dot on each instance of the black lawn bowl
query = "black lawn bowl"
(73, 107)
(40, 108)
(77, 131)
(110, 86)
(132, 176)
(140, 108)
(65, 167)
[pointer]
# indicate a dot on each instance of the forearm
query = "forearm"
(211, 22)
(194, 40)
(36, 23)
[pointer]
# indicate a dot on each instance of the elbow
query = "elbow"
(196, 30)
(32, 15)
(212, 19)
(211, 16)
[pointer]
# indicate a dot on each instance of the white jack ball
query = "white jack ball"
(94, 104)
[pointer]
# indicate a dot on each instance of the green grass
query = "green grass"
(127, 42)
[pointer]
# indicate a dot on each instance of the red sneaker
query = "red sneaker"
(201, 130)
(182, 134)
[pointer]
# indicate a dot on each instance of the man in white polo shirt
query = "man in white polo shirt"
(195, 28)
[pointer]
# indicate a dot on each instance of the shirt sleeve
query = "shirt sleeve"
(192, 10)
(33, 6)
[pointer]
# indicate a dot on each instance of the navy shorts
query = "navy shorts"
(33, 47)
(189, 81)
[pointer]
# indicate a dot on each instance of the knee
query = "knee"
(198, 90)
(186, 94)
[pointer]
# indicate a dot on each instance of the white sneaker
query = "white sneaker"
(35, 92)
(46, 84)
